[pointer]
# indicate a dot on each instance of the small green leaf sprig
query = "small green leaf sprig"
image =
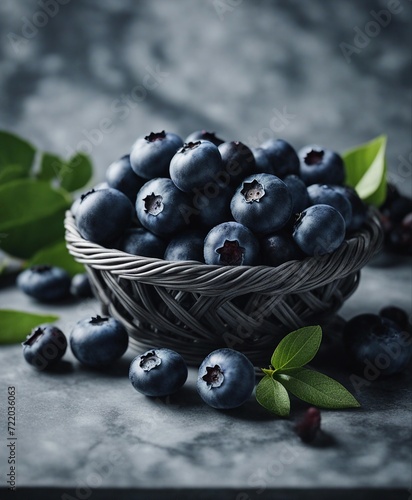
(287, 373)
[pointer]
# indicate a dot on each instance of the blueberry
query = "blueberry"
(238, 161)
(211, 206)
(359, 208)
(231, 244)
(397, 315)
(203, 135)
(98, 342)
(262, 161)
(196, 164)
(282, 158)
(45, 283)
(44, 347)
(186, 246)
(320, 166)
(161, 206)
(280, 248)
(139, 241)
(120, 176)
(400, 237)
(103, 215)
(320, 229)
(151, 155)
(80, 286)
(299, 193)
(371, 339)
(323, 194)
(262, 203)
(158, 372)
(226, 379)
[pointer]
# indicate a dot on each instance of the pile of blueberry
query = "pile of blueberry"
(221, 203)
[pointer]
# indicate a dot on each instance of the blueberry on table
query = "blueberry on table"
(139, 241)
(373, 340)
(158, 372)
(103, 215)
(282, 157)
(238, 161)
(299, 193)
(121, 176)
(323, 194)
(150, 155)
(161, 207)
(195, 165)
(186, 246)
(44, 347)
(262, 203)
(231, 244)
(98, 342)
(45, 283)
(359, 208)
(320, 166)
(279, 248)
(226, 379)
(80, 286)
(308, 428)
(204, 135)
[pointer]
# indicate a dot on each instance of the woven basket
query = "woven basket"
(195, 308)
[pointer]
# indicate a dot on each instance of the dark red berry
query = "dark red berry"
(308, 428)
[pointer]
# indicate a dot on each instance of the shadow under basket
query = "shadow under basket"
(195, 308)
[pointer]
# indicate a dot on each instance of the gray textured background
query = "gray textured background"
(227, 65)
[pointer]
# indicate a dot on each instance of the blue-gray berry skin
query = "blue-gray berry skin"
(44, 347)
(204, 135)
(158, 372)
(299, 193)
(327, 195)
(45, 283)
(121, 176)
(160, 207)
(150, 155)
(80, 286)
(359, 208)
(231, 244)
(319, 230)
(321, 166)
(226, 379)
(238, 161)
(262, 161)
(186, 246)
(371, 340)
(282, 157)
(139, 241)
(98, 342)
(103, 215)
(279, 248)
(195, 165)
(262, 203)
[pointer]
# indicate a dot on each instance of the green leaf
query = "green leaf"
(297, 349)
(15, 152)
(12, 173)
(273, 396)
(31, 216)
(317, 389)
(365, 167)
(16, 325)
(57, 255)
(76, 173)
(50, 167)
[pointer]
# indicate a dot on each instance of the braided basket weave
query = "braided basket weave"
(195, 308)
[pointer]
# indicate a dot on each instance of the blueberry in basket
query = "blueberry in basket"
(45, 283)
(204, 135)
(327, 195)
(359, 208)
(120, 176)
(226, 379)
(186, 246)
(140, 241)
(231, 244)
(45, 346)
(262, 202)
(283, 159)
(159, 207)
(238, 161)
(98, 342)
(320, 166)
(279, 248)
(158, 372)
(150, 155)
(299, 193)
(103, 215)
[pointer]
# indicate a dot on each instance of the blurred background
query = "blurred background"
(93, 75)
